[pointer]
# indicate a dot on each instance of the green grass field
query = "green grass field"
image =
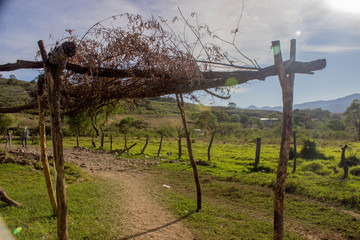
(93, 205)
(238, 201)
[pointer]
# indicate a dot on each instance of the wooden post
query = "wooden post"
(44, 158)
(257, 153)
(93, 142)
(55, 75)
(146, 143)
(287, 85)
(295, 154)
(161, 139)
(110, 142)
(125, 144)
(180, 102)
(102, 140)
(77, 139)
(178, 129)
(344, 162)
(210, 144)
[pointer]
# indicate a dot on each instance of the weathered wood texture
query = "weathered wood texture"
(5, 198)
(44, 159)
(18, 108)
(160, 145)
(139, 87)
(146, 143)
(257, 153)
(178, 129)
(180, 102)
(344, 163)
(55, 76)
(287, 85)
(295, 153)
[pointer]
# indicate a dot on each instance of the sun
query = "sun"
(351, 6)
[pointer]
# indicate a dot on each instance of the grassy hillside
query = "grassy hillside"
(16, 92)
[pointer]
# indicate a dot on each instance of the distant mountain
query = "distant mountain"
(335, 106)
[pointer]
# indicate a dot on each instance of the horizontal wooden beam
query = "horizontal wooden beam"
(123, 85)
(18, 108)
(261, 73)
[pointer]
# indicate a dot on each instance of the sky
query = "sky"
(328, 29)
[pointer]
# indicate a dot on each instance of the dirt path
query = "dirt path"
(144, 218)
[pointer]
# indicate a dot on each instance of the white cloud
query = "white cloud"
(329, 48)
(239, 89)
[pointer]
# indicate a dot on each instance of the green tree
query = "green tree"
(336, 125)
(235, 118)
(78, 124)
(130, 122)
(352, 116)
(100, 114)
(206, 120)
(6, 121)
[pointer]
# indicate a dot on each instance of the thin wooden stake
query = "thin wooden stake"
(257, 153)
(110, 142)
(160, 145)
(146, 143)
(344, 162)
(295, 154)
(44, 158)
(210, 144)
(102, 140)
(180, 102)
(178, 129)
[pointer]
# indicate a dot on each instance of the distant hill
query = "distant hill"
(15, 92)
(338, 105)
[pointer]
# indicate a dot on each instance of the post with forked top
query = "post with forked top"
(287, 87)
(55, 73)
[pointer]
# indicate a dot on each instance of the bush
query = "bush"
(315, 167)
(355, 171)
(353, 161)
(309, 151)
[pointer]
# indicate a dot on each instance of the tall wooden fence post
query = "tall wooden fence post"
(344, 163)
(257, 153)
(44, 159)
(110, 142)
(160, 145)
(180, 102)
(295, 154)
(146, 143)
(178, 129)
(287, 85)
(102, 140)
(55, 76)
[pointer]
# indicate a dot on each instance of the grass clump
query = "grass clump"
(315, 167)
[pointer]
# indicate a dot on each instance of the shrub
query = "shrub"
(355, 171)
(315, 167)
(309, 151)
(353, 161)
